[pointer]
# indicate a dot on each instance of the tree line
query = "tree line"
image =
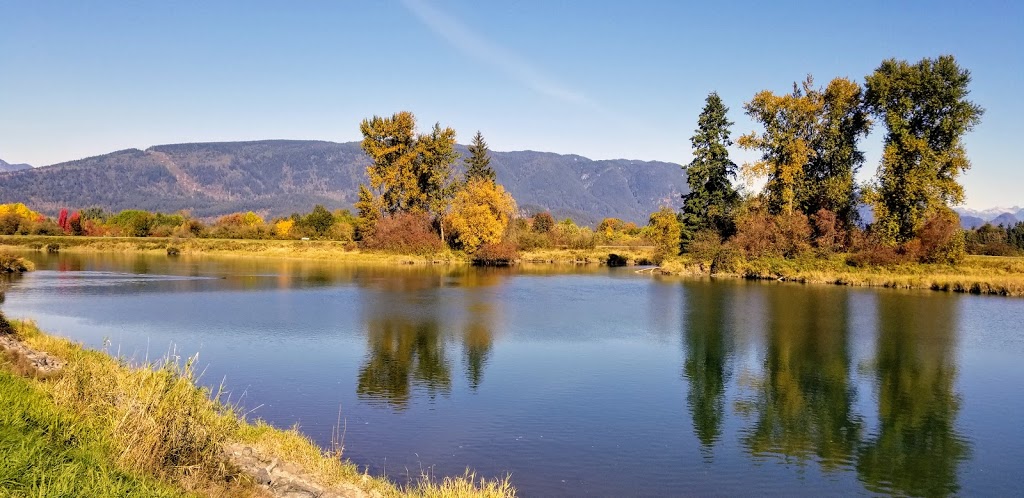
(414, 201)
(809, 157)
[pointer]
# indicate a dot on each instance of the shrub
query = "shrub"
(9, 263)
(543, 222)
(828, 233)
(942, 240)
(728, 259)
(570, 236)
(704, 246)
(405, 233)
(45, 227)
(499, 254)
(760, 234)
(666, 232)
(880, 255)
(616, 260)
(132, 222)
(529, 241)
(342, 230)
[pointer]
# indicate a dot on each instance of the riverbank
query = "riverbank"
(992, 275)
(80, 422)
(308, 249)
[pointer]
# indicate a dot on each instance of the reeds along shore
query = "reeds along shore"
(991, 275)
(102, 427)
(994, 275)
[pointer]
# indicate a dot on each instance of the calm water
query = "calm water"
(581, 382)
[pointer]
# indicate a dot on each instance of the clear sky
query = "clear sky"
(610, 79)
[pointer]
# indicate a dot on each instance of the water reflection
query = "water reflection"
(706, 367)
(860, 388)
(409, 325)
(803, 407)
(916, 449)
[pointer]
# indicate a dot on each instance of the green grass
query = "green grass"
(150, 431)
(48, 451)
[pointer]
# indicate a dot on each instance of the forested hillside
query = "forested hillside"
(278, 177)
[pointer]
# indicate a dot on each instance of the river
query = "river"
(578, 380)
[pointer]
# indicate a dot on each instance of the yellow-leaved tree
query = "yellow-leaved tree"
(283, 228)
(480, 213)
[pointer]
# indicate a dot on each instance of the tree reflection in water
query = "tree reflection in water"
(803, 407)
(410, 320)
(916, 449)
(708, 351)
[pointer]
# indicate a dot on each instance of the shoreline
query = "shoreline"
(983, 275)
(151, 427)
(980, 275)
(306, 250)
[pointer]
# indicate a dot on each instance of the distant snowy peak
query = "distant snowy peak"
(973, 218)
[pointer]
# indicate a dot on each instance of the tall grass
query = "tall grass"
(48, 451)
(10, 263)
(976, 274)
(154, 423)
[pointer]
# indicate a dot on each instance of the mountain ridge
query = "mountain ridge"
(278, 176)
(6, 166)
(973, 218)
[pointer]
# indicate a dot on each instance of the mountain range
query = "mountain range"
(278, 177)
(6, 166)
(972, 218)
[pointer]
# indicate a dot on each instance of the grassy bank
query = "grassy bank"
(976, 275)
(101, 427)
(302, 249)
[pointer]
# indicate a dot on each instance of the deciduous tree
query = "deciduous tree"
(480, 213)
(926, 113)
(390, 142)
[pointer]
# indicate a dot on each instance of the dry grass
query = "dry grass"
(10, 263)
(599, 255)
(158, 424)
(296, 249)
(996, 275)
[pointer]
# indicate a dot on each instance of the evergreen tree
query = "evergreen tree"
(926, 113)
(478, 163)
(711, 199)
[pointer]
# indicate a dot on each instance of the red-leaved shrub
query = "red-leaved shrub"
(500, 254)
(405, 233)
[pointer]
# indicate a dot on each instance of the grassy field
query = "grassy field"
(976, 275)
(111, 429)
(302, 249)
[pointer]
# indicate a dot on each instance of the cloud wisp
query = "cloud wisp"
(476, 46)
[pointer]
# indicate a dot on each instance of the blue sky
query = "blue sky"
(605, 80)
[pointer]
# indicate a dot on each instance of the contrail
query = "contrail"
(477, 47)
